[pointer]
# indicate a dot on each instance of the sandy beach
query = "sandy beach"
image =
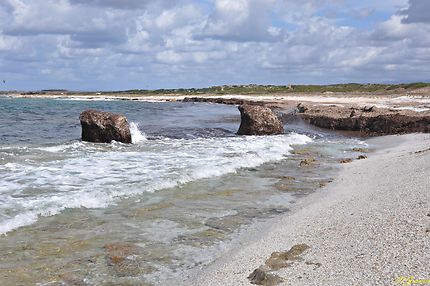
(368, 226)
(371, 226)
(194, 143)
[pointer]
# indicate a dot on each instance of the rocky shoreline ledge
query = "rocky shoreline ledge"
(367, 119)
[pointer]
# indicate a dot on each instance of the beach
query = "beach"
(370, 226)
(190, 201)
(194, 143)
(149, 212)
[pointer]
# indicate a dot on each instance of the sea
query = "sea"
(147, 213)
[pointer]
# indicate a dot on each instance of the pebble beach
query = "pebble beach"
(371, 226)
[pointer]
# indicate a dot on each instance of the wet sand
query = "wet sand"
(371, 226)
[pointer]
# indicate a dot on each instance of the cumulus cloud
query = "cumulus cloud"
(114, 44)
(242, 20)
(417, 12)
(118, 4)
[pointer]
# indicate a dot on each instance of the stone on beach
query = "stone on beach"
(262, 276)
(104, 127)
(259, 120)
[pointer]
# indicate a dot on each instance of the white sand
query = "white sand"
(409, 102)
(369, 227)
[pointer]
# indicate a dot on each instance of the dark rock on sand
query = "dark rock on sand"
(285, 259)
(103, 127)
(258, 120)
(262, 276)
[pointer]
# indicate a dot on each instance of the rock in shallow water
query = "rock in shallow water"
(258, 120)
(104, 127)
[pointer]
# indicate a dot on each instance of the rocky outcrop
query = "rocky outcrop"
(219, 100)
(369, 120)
(228, 101)
(258, 120)
(104, 127)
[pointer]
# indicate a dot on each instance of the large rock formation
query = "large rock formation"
(103, 127)
(258, 120)
(369, 120)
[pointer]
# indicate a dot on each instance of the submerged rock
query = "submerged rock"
(307, 162)
(258, 120)
(104, 127)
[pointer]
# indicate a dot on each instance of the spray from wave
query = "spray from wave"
(136, 135)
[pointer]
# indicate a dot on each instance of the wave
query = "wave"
(91, 178)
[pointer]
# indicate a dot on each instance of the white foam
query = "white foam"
(412, 108)
(136, 135)
(92, 178)
(63, 147)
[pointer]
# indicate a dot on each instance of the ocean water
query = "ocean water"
(141, 214)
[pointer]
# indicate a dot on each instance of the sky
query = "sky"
(147, 44)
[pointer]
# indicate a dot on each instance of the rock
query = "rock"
(262, 276)
(368, 108)
(285, 259)
(219, 100)
(103, 127)
(258, 120)
(361, 157)
(301, 108)
(345, 161)
(307, 162)
(121, 258)
(373, 121)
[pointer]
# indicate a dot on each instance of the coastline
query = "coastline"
(419, 101)
(333, 213)
(371, 226)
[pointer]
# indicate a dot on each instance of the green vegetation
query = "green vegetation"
(273, 89)
(254, 89)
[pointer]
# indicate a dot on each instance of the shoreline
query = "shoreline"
(397, 101)
(317, 216)
(327, 97)
(365, 228)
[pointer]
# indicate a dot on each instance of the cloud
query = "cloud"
(123, 4)
(417, 12)
(242, 20)
(127, 44)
